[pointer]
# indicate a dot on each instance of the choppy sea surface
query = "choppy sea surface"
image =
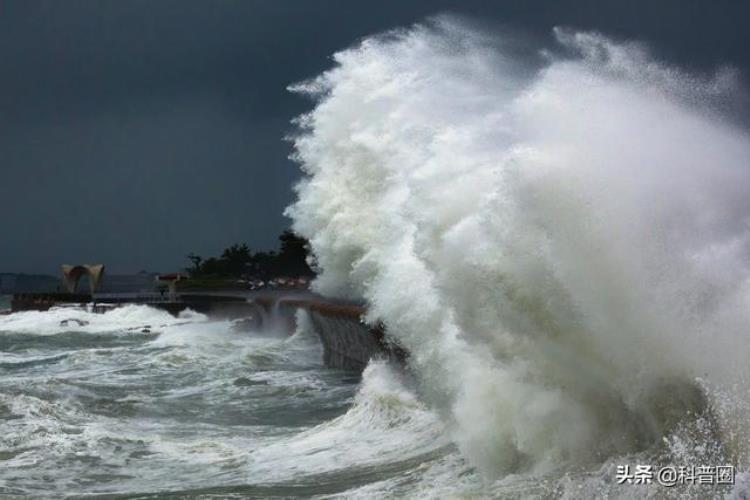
(137, 402)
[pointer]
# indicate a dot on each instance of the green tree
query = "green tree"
(293, 255)
(237, 259)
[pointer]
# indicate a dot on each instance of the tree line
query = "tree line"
(238, 261)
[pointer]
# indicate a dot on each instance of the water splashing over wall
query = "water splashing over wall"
(564, 251)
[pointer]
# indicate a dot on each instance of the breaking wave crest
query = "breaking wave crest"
(563, 249)
(84, 319)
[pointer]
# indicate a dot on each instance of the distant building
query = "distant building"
(168, 283)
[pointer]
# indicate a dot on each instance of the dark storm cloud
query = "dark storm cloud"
(134, 132)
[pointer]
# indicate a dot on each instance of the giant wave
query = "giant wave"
(564, 249)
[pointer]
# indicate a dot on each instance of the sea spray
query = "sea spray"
(564, 251)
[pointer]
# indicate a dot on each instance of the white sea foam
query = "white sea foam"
(563, 252)
(385, 424)
(82, 319)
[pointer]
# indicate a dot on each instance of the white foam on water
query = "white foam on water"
(564, 252)
(164, 412)
(80, 319)
(386, 423)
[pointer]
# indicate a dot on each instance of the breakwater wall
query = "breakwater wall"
(348, 342)
(218, 306)
(43, 301)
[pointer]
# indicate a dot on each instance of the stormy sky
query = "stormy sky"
(135, 132)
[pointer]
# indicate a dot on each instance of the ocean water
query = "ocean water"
(194, 407)
(135, 403)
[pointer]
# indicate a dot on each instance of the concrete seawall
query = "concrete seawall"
(348, 342)
(43, 301)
